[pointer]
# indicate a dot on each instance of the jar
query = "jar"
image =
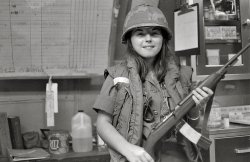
(215, 119)
(58, 141)
(211, 15)
(206, 13)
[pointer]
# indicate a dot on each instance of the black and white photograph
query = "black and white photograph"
(124, 80)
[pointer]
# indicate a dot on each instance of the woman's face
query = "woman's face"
(147, 41)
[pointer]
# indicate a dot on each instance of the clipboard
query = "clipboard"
(186, 30)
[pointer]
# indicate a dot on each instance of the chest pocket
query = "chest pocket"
(122, 108)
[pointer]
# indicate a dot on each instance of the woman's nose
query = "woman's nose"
(148, 38)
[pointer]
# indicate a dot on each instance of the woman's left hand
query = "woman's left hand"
(202, 95)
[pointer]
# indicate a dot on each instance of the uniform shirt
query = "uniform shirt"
(161, 103)
(106, 99)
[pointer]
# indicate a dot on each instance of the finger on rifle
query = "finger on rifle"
(208, 90)
(143, 158)
(205, 92)
(199, 94)
(195, 100)
(148, 158)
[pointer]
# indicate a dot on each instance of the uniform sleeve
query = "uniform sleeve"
(105, 100)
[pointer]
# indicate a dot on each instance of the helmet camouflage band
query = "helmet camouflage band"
(145, 15)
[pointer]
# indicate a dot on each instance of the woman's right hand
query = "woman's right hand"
(137, 154)
(113, 139)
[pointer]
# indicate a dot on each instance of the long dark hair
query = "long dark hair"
(160, 65)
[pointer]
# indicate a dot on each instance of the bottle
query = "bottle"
(215, 116)
(211, 13)
(206, 13)
(81, 128)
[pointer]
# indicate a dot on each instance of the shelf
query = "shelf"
(196, 77)
(222, 41)
(222, 22)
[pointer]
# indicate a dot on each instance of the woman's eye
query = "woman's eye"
(156, 33)
(140, 33)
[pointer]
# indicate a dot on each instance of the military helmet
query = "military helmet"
(145, 15)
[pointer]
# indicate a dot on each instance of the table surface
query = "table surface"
(231, 129)
(97, 152)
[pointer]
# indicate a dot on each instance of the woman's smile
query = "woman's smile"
(149, 46)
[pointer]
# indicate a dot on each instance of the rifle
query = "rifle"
(185, 105)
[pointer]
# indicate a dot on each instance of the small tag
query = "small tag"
(52, 91)
(190, 133)
(50, 118)
(121, 80)
(51, 102)
(49, 108)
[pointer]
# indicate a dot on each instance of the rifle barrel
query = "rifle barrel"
(237, 55)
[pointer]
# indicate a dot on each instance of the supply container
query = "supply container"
(81, 132)
(58, 141)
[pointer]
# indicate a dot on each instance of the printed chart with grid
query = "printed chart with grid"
(54, 37)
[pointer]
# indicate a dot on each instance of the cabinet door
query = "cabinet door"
(223, 35)
(235, 149)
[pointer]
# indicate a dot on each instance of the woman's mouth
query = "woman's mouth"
(148, 47)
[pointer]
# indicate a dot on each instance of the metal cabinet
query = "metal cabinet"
(229, 145)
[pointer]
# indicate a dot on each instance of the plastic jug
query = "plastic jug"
(81, 132)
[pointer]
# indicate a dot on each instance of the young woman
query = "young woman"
(138, 93)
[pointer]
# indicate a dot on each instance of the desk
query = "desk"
(99, 154)
(226, 141)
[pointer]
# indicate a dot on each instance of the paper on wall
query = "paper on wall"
(51, 102)
(52, 90)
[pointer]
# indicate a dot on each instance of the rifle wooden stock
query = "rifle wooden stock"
(185, 105)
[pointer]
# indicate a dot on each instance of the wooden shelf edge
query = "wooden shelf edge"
(9, 76)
